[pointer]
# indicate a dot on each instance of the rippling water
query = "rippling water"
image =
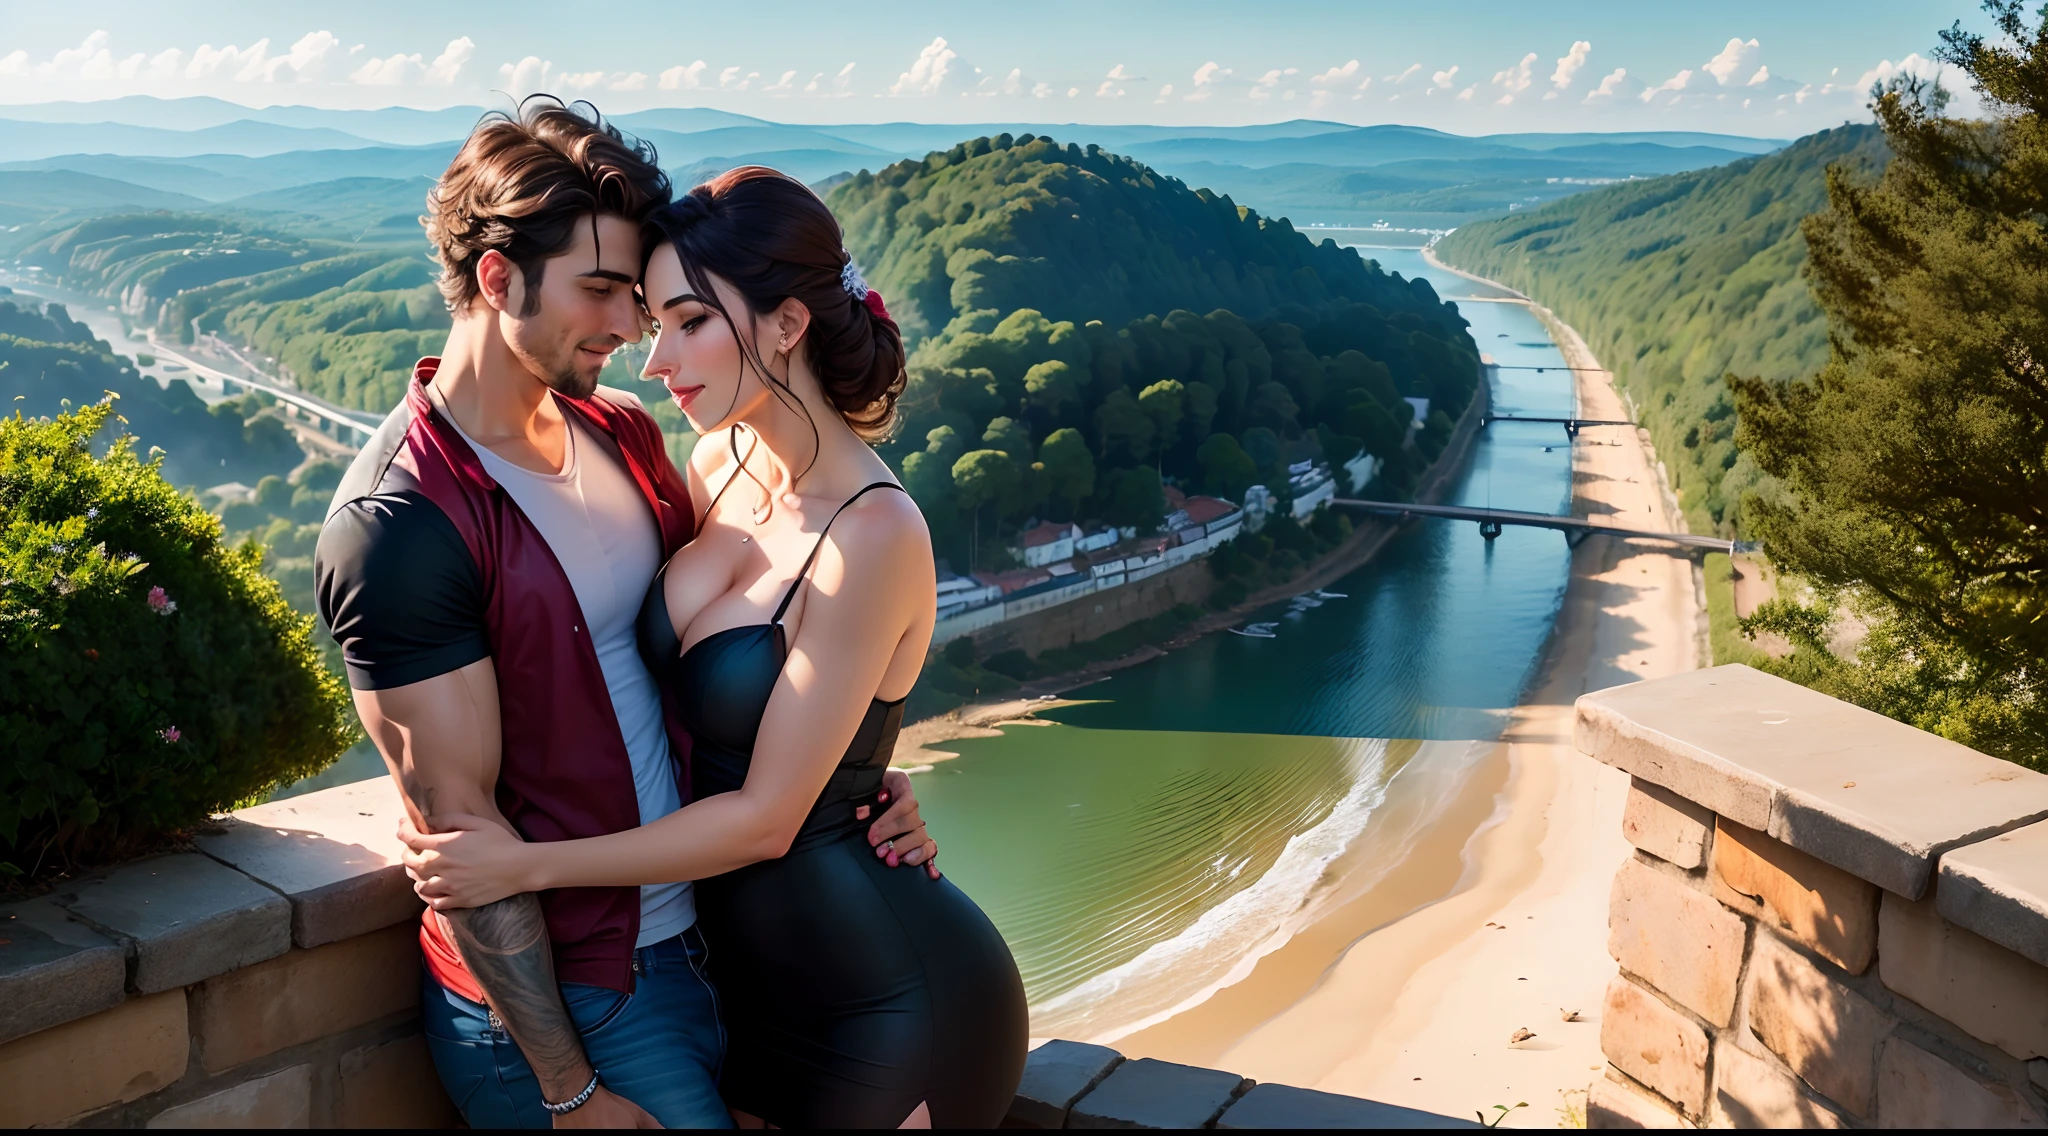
(1168, 830)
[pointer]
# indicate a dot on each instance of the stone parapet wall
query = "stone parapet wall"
(1831, 919)
(269, 979)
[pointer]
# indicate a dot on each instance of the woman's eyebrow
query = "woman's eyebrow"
(682, 299)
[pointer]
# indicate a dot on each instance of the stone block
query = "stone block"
(1989, 992)
(1751, 1092)
(1678, 939)
(305, 994)
(1826, 1032)
(1665, 825)
(1999, 889)
(333, 854)
(54, 969)
(1284, 1106)
(283, 1099)
(1147, 1093)
(1916, 1089)
(1874, 797)
(1611, 1104)
(1655, 1044)
(185, 917)
(112, 1057)
(392, 1085)
(1819, 904)
(1056, 1075)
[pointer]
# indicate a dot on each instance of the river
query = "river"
(1168, 830)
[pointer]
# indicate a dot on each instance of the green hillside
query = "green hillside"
(996, 224)
(1062, 367)
(1678, 281)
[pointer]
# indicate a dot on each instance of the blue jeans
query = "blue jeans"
(659, 1046)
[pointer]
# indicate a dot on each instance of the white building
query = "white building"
(1048, 543)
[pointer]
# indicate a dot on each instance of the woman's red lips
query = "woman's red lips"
(684, 396)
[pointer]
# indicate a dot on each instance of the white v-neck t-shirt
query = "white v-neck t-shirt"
(598, 525)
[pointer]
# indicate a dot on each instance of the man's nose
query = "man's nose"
(626, 320)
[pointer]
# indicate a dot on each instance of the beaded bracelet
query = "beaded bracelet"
(575, 1102)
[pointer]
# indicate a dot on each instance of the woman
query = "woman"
(789, 632)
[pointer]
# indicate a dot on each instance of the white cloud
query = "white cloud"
(782, 86)
(1165, 93)
(1674, 84)
(635, 81)
(14, 62)
(927, 75)
(1339, 76)
(1206, 78)
(681, 78)
(164, 64)
(1465, 96)
(1516, 79)
(526, 76)
(1109, 90)
(1570, 64)
(1413, 70)
(1443, 80)
(580, 80)
(1117, 74)
(1734, 60)
(1041, 90)
(401, 69)
(1617, 85)
(1762, 76)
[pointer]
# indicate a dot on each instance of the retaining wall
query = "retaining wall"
(1830, 920)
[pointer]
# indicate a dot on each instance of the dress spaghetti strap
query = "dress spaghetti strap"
(806, 569)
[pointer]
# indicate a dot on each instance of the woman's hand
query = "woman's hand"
(467, 861)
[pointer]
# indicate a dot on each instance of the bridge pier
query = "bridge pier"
(1489, 530)
(1571, 431)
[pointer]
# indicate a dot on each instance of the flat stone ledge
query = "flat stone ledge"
(185, 918)
(1148, 1093)
(1056, 1075)
(54, 969)
(1999, 889)
(1284, 1106)
(1871, 796)
(333, 854)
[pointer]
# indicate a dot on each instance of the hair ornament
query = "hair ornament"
(855, 284)
(873, 300)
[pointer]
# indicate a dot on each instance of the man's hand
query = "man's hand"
(899, 835)
(607, 1109)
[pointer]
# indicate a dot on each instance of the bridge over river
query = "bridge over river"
(1491, 521)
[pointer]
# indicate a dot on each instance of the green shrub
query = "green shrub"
(149, 676)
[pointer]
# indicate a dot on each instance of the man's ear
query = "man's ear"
(791, 321)
(499, 282)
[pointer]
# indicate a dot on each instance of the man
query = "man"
(482, 566)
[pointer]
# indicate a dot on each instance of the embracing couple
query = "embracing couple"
(641, 717)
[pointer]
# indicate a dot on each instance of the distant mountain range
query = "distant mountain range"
(178, 152)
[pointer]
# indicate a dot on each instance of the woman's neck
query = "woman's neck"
(804, 462)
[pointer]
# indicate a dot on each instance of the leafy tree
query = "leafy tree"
(1051, 387)
(1127, 432)
(982, 476)
(1009, 436)
(1069, 467)
(1134, 497)
(1227, 470)
(1263, 447)
(1913, 463)
(1165, 403)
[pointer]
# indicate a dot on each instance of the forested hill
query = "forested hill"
(1088, 331)
(1083, 234)
(1677, 281)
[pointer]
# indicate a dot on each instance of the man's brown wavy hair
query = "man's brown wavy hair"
(520, 184)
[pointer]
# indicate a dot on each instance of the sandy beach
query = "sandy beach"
(1407, 980)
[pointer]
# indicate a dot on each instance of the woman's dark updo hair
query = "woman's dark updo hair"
(771, 238)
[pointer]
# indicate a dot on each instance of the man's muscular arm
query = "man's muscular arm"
(440, 738)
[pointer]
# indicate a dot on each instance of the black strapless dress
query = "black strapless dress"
(850, 990)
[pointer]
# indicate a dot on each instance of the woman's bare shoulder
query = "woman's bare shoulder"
(879, 537)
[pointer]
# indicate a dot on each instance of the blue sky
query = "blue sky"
(1775, 69)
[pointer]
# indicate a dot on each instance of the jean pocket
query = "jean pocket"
(593, 1008)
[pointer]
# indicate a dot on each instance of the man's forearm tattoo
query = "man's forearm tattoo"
(506, 946)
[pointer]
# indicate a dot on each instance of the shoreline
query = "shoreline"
(1406, 981)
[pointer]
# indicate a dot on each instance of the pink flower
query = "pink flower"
(169, 733)
(162, 604)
